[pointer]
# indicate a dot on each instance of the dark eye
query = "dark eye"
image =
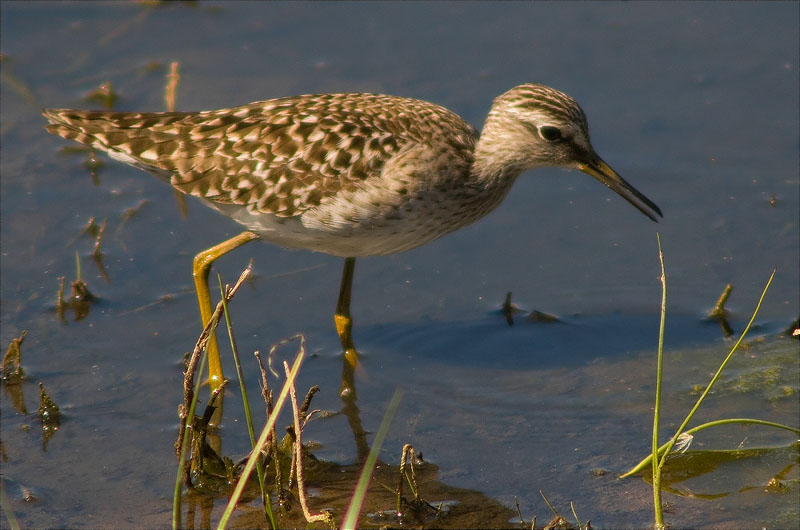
(550, 133)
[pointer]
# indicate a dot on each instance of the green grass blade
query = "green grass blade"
(659, 517)
(649, 458)
(719, 371)
(246, 403)
(353, 511)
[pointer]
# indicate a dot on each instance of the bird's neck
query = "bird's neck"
(498, 159)
(492, 172)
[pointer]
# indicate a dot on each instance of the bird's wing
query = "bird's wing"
(281, 156)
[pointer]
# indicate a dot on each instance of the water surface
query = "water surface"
(695, 104)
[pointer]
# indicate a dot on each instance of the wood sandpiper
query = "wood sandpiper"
(346, 174)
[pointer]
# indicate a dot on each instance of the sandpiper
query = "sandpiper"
(348, 174)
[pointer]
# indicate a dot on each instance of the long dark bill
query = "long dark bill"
(597, 168)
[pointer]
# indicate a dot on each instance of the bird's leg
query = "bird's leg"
(344, 327)
(201, 269)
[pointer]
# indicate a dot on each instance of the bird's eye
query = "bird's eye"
(550, 133)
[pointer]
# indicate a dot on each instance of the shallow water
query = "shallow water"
(695, 104)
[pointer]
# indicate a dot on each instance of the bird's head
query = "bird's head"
(533, 126)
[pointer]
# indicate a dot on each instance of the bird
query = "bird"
(347, 174)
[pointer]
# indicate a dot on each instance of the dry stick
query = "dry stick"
(202, 341)
(403, 460)
(407, 460)
(172, 86)
(266, 392)
(575, 514)
(304, 414)
(304, 418)
(519, 512)
(408, 450)
(60, 302)
(276, 456)
(262, 441)
(302, 339)
(170, 97)
(298, 449)
(310, 415)
(293, 463)
(414, 485)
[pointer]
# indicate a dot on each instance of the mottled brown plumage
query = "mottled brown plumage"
(346, 174)
(350, 174)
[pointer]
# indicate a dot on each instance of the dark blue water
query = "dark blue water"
(695, 104)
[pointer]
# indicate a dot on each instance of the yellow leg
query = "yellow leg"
(344, 327)
(202, 266)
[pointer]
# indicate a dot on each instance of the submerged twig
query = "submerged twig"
(97, 255)
(104, 94)
(80, 298)
(49, 414)
(11, 366)
(60, 301)
(508, 309)
(719, 309)
(199, 455)
(13, 375)
(131, 212)
(98, 239)
(720, 314)
(18, 85)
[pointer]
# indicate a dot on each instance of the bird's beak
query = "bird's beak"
(603, 172)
